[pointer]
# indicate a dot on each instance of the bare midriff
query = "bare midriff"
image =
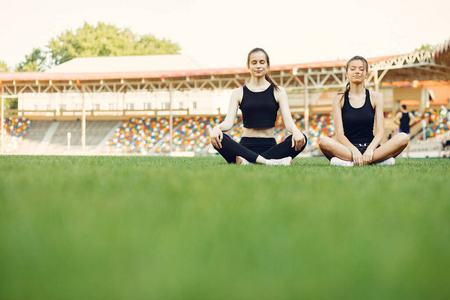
(259, 132)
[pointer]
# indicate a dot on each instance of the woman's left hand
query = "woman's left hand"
(298, 140)
(367, 156)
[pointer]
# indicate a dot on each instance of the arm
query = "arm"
(379, 129)
(396, 118)
(298, 140)
(339, 130)
(216, 135)
(412, 118)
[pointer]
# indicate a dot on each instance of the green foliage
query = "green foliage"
(3, 66)
(106, 40)
(34, 62)
(427, 47)
(12, 103)
(198, 228)
(94, 41)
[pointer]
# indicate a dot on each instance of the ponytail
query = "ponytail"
(267, 77)
(347, 88)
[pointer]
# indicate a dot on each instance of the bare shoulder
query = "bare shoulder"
(376, 96)
(280, 91)
(280, 94)
(337, 97)
(238, 93)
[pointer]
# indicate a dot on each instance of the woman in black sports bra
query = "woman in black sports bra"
(259, 101)
(357, 113)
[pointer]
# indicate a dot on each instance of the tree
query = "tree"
(3, 66)
(34, 62)
(106, 40)
(93, 41)
(427, 47)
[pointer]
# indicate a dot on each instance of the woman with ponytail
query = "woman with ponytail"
(358, 113)
(259, 101)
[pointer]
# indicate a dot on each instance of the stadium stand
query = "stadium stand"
(193, 134)
(50, 137)
(146, 135)
(15, 129)
(438, 124)
(319, 125)
(140, 135)
(151, 135)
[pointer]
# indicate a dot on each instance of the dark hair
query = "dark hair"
(366, 65)
(267, 77)
(403, 106)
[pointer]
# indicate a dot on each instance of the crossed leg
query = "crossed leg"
(231, 150)
(332, 148)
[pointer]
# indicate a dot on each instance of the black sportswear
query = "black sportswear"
(358, 122)
(259, 109)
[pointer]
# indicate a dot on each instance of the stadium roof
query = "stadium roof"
(420, 65)
(137, 63)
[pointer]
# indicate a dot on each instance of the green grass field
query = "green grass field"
(197, 228)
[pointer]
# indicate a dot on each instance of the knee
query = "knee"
(403, 139)
(325, 143)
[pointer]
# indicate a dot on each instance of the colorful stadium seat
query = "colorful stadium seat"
(15, 129)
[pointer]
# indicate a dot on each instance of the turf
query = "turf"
(197, 228)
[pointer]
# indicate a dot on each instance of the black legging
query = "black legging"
(249, 148)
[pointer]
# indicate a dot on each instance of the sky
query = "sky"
(221, 33)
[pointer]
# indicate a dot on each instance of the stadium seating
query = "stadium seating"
(319, 126)
(438, 123)
(139, 135)
(143, 135)
(151, 134)
(15, 129)
(193, 134)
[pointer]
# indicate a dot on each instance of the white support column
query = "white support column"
(424, 100)
(123, 103)
(170, 117)
(306, 113)
(375, 79)
(83, 117)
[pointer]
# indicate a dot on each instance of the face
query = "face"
(257, 64)
(356, 71)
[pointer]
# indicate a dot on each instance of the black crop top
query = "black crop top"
(259, 109)
(358, 122)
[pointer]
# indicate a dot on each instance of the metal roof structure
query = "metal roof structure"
(421, 65)
(135, 63)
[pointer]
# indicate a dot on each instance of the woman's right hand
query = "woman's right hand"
(216, 137)
(357, 157)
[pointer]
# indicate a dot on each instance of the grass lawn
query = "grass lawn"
(198, 228)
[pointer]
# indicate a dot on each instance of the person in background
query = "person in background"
(405, 118)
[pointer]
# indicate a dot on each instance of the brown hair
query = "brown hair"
(366, 65)
(267, 77)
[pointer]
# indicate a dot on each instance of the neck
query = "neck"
(258, 81)
(357, 88)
